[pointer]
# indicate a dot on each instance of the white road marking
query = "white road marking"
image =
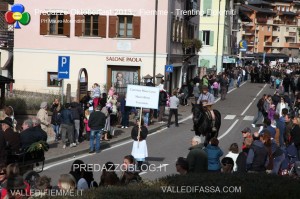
(126, 142)
(229, 117)
(228, 130)
(248, 118)
(253, 100)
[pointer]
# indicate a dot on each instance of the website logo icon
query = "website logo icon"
(17, 15)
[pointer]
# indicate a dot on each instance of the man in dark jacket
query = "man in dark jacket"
(197, 158)
(162, 102)
(31, 134)
(96, 123)
(77, 114)
(257, 158)
(261, 110)
(12, 138)
(67, 126)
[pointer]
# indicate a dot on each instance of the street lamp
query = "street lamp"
(218, 34)
(159, 78)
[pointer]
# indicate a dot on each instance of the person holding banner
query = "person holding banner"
(139, 149)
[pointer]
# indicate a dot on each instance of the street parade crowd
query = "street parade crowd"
(274, 148)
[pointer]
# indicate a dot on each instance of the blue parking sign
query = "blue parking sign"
(169, 68)
(63, 67)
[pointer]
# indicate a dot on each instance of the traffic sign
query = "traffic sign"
(243, 45)
(169, 68)
(63, 67)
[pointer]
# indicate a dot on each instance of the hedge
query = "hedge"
(247, 186)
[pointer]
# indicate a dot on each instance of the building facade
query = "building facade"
(109, 42)
(271, 27)
(216, 22)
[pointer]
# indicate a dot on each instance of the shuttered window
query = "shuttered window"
(207, 7)
(55, 24)
(124, 26)
(90, 25)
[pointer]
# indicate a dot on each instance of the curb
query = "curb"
(104, 145)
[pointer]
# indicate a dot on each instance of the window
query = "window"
(269, 28)
(207, 7)
(287, 29)
(53, 80)
(58, 24)
(207, 37)
(125, 26)
(91, 25)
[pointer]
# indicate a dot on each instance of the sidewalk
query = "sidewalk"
(56, 151)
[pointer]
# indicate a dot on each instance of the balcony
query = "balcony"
(291, 23)
(276, 44)
(276, 33)
(293, 45)
(249, 32)
(268, 44)
(250, 43)
(261, 20)
(291, 34)
(278, 22)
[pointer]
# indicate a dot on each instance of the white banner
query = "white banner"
(142, 96)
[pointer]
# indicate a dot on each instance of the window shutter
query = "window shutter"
(102, 26)
(79, 25)
(112, 26)
(201, 35)
(67, 25)
(136, 22)
(211, 38)
(44, 21)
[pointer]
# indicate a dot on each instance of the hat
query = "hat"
(204, 87)
(15, 183)
(7, 121)
(247, 129)
(43, 105)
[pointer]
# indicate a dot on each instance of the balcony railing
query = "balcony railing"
(292, 34)
(294, 45)
(261, 20)
(268, 43)
(249, 31)
(278, 22)
(291, 23)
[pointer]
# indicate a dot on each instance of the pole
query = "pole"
(218, 35)
(62, 91)
(140, 126)
(155, 38)
(169, 43)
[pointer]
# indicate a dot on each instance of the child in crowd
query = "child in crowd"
(96, 93)
(215, 88)
(86, 121)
